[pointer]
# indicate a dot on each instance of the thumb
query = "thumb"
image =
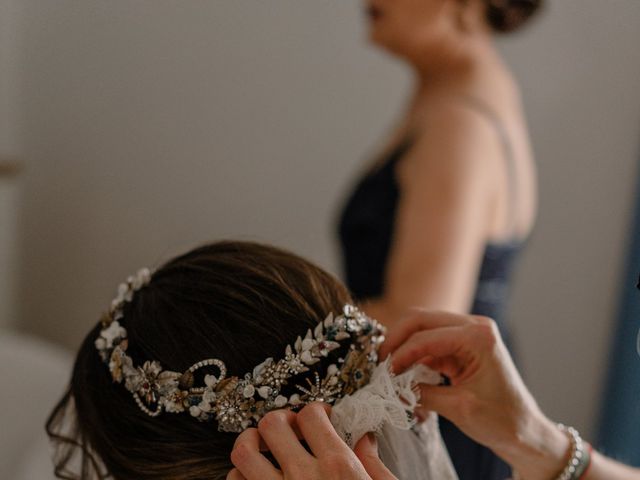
(367, 452)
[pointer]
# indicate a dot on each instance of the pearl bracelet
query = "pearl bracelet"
(579, 460)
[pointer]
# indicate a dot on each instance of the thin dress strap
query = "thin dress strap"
(509, 157)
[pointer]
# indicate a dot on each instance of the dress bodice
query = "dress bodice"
(366, 233)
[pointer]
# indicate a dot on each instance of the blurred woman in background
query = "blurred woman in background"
(440, 216)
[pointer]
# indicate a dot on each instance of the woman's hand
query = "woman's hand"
(487, 398)
(280, 432)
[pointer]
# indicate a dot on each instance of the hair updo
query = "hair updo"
(238, 301)
(509, 15)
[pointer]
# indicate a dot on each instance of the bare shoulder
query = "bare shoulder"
(453, 143)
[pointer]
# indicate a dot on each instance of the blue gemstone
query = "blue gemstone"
(331, 333)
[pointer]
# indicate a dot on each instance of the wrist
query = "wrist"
(539, 450)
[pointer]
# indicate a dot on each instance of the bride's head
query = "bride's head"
(237, 302)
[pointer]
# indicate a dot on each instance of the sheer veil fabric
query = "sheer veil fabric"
(385, 406)
(416, 454)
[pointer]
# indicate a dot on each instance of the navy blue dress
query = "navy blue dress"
(366, 231)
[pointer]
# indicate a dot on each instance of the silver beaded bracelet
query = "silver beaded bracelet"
(579, 460)
(580, 455)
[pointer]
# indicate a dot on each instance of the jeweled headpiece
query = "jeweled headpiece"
(348, 342)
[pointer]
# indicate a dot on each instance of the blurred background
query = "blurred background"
(133, 130)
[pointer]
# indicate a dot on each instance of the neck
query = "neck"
(469, 68)
(474, 71)
(460, 58)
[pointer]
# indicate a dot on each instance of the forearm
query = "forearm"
(392, 308)
(538, 451)
(542, 451)
(386, 312)
(603, 468)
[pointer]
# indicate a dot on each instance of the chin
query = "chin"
(384, 38)
(377, 37)
(383, 43)
(374, 39)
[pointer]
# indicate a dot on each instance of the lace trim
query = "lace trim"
(386, 400)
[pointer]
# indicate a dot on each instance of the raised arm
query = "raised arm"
(487, 398)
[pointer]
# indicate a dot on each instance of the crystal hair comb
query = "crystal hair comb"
(237, 403)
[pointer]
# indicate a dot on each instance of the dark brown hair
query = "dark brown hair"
(509, 15)
(237, 301)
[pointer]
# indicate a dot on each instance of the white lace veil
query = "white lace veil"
(417, 454)
(385, 406)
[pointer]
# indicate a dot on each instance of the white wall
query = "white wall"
(580, 71)
(151, 126)
(9, 243)
(155, 125)
(9, 59)
(9, 155)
